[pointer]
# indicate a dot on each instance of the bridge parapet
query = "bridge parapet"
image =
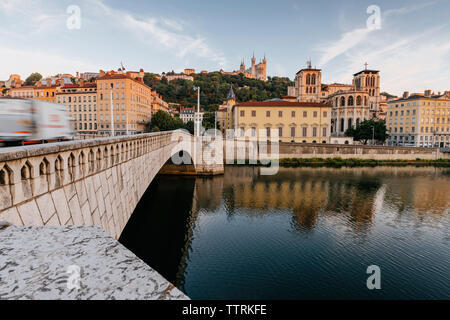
(89, 182)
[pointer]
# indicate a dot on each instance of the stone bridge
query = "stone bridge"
(92, 182)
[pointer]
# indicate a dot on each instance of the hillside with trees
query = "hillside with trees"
(214, 89)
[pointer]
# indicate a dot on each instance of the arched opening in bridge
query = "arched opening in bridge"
(159, 228)
(179, 164)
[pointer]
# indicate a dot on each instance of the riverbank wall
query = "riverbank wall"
(245, 150)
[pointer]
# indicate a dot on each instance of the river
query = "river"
(304, 233)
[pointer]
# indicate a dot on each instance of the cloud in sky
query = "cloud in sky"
(406, 61)
(28, 20)
(409, 52)
(164, 31)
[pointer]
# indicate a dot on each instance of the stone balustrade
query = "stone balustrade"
(89, 182)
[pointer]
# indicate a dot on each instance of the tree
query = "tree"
(208, 120)
(33, 78)
(162, 121)
(368, 129)
(215, 87)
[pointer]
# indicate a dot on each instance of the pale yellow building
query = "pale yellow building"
(81, 102)
(421, 120)
(307, 122)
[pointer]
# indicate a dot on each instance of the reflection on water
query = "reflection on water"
(303, 233)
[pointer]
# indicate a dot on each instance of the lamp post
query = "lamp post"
(112, 112)
(373, 135)
(215, 124)
(127, 121)
(198, 110)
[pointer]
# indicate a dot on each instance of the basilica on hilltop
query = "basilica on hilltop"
(257, 71)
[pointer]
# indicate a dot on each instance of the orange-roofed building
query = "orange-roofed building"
(132, 101)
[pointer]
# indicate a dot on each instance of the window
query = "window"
(242, 113)
(280, 131)
(267, 113)
(253, 132)
(253, 113)
(325, 114)
(304, 132)
(280, 114)
(305, 114)
(268, 130)
(314, 132)
(324, 132)
(315, 114)
(293, 114)
(292, 131)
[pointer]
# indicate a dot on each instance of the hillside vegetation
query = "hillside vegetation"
(214, 89)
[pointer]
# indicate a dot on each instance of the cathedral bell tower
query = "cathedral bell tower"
(308, 84)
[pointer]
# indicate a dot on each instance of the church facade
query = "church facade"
(351, 103)
(257, 71)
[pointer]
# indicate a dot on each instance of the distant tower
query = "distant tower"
(242, 68)
(254, 65)
(263, 75)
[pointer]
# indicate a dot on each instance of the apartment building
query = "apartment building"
(421, 120)
(129, 98)
(81, 102)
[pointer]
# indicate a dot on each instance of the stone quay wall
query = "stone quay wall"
(242, 151)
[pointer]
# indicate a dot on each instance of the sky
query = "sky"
(409, 44)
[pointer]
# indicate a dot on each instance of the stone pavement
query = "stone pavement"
(53, 262)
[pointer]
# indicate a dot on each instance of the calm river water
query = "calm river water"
(305, 233)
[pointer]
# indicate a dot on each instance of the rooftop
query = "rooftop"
(367, 71)
(281, 103)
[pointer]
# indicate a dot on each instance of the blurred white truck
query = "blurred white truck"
(33, 121)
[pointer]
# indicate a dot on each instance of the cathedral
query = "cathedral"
(351, 103)
(256, 71)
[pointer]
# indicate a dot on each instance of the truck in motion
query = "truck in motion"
(32, 121)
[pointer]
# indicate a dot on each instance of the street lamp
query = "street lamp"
(112, 111)
(198, 110)
(373, 135)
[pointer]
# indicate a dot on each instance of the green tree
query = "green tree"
(189, 126)
(367, 130)
(33, 78)
(215, 87)
(208, 120)
(162, 121)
